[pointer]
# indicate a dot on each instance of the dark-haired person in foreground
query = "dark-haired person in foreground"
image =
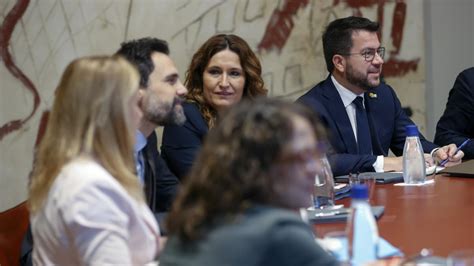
(364, 115)
(457, 123)
(239, 205)
(160, 93)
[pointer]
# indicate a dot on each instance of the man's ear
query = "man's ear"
(141, 95)
(339, 62)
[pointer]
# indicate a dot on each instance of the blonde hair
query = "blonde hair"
(90, 117)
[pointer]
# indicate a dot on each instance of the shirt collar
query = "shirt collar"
(140, 141)
(347, 96)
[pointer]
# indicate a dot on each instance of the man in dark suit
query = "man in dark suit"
(160, 95)
(363, 115)
(457, 123)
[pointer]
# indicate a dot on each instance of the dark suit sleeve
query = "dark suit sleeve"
(167, 186)
(457, 123)
(181, 143)
(345, 163)
(27, 248)
(166, 183)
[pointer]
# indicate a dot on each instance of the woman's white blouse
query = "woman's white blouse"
(89, 218)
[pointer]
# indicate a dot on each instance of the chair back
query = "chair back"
(13, 225)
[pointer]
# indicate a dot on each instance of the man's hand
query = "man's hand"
(393, 164)
(449, 152)
(428, 160)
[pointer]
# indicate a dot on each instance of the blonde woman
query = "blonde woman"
(86, 204)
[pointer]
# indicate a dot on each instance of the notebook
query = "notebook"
(381, 178)
(341, 191)
(465, 169)
(338, 215)
(391, 177)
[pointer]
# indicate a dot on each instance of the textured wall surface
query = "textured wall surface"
(38, 38)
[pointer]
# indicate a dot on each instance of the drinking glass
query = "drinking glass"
(323, 192)
(461, 258)
(367, 179)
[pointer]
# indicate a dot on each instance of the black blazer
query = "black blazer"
(181, 144)
(457, 123)
(387, 122)
(161, 185)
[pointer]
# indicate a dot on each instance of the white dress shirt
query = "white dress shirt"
(347, 98)
(88, 218)
(140, 143)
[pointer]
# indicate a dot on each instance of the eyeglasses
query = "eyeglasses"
(369, 53)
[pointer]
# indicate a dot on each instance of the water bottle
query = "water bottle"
(323, 192)
(362, 232)
(414, 169)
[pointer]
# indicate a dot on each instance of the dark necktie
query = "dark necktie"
(149, 179)
(363, 133)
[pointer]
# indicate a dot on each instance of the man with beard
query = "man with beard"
(363, 115)
(160, 100)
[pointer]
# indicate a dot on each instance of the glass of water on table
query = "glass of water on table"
(323, 192)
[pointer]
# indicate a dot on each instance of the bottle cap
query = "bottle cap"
(411, 131)
(359, 191)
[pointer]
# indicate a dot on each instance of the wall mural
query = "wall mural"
(39, 38)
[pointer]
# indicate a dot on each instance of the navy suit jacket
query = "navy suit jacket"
(457, 123)
(387, 122)
(161, 185)
(181, 144)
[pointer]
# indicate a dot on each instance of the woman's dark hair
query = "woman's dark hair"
(233, 170)
(254, 86)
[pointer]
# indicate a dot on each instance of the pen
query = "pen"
(443, 162)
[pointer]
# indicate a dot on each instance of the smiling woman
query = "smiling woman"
(224, 80)
(222, 72)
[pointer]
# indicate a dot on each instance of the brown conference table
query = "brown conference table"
(439, 216)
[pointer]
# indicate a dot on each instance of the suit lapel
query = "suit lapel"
(335, 106)
(371, 107)
(150, 180)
